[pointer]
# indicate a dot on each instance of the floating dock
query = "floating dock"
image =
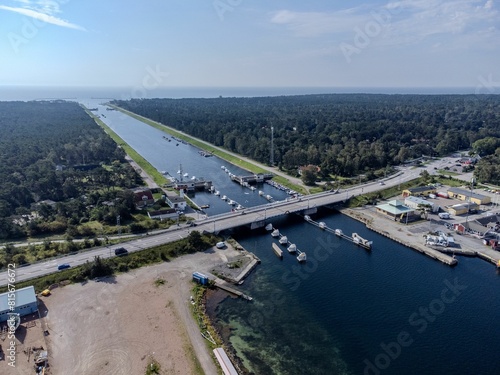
(355, 238)
(277, 251)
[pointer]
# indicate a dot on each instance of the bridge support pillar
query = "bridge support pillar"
(257, 224)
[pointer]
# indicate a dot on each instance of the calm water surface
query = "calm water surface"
(337, 313)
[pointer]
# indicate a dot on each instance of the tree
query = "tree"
(309, 175)
(425, 176)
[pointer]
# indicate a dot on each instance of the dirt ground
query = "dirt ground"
(29, 335)
(118, 325)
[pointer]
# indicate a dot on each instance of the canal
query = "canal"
(173, 156)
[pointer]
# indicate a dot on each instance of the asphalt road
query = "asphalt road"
(221, 222)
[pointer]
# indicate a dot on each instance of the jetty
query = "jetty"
(355, 238)
(221, 284)
(251, 179)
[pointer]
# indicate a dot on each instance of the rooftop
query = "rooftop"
(420, 189)
(394, 207)
(23, 297)
(466, 192)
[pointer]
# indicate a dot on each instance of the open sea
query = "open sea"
(25, 93)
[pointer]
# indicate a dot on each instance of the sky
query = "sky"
(251, 43)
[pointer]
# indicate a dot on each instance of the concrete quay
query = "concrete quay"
(412, 236)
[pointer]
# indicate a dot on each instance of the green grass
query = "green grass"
(143, 163)
(447, 173)
(234, 159)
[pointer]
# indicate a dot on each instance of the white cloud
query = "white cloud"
(404, 21)
(42, 10)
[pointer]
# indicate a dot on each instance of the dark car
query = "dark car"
(63, 266)
(121, 251)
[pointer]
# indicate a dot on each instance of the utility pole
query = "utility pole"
(468, 204)
(118, 218)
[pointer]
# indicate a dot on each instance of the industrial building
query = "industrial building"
(419, 191)
(24, 303)
(462, 208)
(465, 195)
(416, 203)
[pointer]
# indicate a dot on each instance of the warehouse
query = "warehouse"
(464, 195)
(24, 303)
(416, 203)
(463, 208)
(421, 191)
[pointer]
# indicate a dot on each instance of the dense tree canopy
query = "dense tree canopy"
(54, 151)
(343, 134)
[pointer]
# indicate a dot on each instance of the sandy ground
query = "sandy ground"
(116, 326)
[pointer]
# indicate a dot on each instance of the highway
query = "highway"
(223, 221)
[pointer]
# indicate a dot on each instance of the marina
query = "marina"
(283, 240)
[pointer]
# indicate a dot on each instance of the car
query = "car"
(63, 266)
(121, 251)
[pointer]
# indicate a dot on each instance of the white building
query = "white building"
(416, 203)
(23, 302)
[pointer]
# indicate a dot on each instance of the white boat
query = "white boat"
(261, 192)
(275, 233)
(224, 198)
(269, 227)
(193, 178)
(307, 218)
(222, 167)
(252, 188)
(239, 207)
(361, 241)
(283, 240)
(292, 248)
(231, 202)
(339, 232)
(302, 257)
(322, 225)
(268, 197)
(217, 193)
(186, 174)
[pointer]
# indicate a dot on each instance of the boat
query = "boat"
(193, 178)
(269, 227)
(222, 167)
(292, 248)
(339, 232)
(275, 233)
(231, 202)
(217, 193)
(224, 198)
(268, 197)
(239, 207)
(361, 241)
(283, 240)
(302, 257)
(261, 192)
(322, 225)
(205, 206)
(186, 174)
(307, 218)
(252, 188)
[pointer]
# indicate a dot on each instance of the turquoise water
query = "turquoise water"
(349, 311)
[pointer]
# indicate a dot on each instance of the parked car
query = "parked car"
(63, 266)
(121, 251)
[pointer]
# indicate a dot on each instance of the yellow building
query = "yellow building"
(465, 195)
(462, 209)
(419, 191)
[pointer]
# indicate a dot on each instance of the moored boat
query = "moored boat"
(302, 257)
(292, 248)
(322, 225)
(283, 240)
(339, 232)
(269, 227)
(275, 233)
